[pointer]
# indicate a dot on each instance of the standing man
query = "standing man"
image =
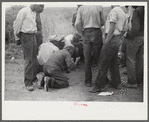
(135, 41)
(25, 30)
(74, 16)
(109, 53)
(88, 23)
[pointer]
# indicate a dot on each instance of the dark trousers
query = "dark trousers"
(92, 42)
(135, 50)
(39, 39)
(61, 81)
(124, 48)
(29, 46)
(109, 60)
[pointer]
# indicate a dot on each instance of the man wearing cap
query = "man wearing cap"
(88, 23)
(54, 67)
(25, 30)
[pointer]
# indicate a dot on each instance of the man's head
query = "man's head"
(76, 37)
(134, 7)
(70, 49)
(38, 8)
(79, 6)
(112, 6)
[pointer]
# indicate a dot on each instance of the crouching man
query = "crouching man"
(54, 67)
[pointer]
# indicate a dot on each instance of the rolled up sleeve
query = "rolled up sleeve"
(113, 16)
(18, 23)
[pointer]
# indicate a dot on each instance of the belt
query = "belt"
(28, 33)
(113, 35)
(90, 28)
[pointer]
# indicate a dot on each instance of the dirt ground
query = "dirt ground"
(77, 91)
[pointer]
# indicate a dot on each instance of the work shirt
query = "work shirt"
(59, 60)
(45, 52)
(137, 23)
(118, 16)
(130, 14)
(25, 22)
(89, 17)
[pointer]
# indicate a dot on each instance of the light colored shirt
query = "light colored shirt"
(68, 40)
(129, 14)
(45, 52)
(118, 16)
(25, 22)
(89, 17)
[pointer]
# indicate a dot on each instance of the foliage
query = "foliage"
(11, 14)
(13, 50)
(55, 21)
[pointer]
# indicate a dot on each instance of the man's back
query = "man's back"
(117, 16)
(45, 52)
(59, 60)
(91, 16)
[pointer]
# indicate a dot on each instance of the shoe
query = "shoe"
(46, 83)
(119, 86)
(140, 85)
(130, 85)
(88, 84)
(95, 90)
(35, 80)
(40, 87)
(30, 88)
(52, 82)
(116, 86)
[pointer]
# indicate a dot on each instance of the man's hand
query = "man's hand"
(18, 42)
(110, 33)
(39, 32)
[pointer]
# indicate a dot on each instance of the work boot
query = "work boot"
(88, 84)
(52, 82)
(95, 90)
(130, 85)
(30, 88)
(140, 85)
(119, 86)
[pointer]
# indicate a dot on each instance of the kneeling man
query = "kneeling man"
(54, 67)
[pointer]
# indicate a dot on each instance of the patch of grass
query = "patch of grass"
(13, 50)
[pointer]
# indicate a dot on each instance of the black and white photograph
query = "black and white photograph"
(74, 58)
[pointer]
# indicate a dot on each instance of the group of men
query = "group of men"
(88, 23)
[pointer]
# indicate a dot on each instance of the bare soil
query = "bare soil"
(77, 91)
